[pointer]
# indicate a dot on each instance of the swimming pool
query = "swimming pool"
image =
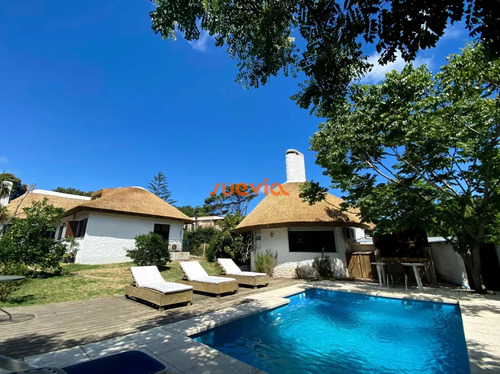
(323, 331)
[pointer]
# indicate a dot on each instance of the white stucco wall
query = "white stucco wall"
(109, 235)
(278, 243)
(448, 264)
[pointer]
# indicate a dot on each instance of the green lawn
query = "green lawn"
(87, 282)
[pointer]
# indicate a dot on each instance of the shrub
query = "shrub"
(229, 243)
(198, 240)
(264, 262)
(11, 268)
(323, 265)
(150, 249)
(30, 241)
(72, 247)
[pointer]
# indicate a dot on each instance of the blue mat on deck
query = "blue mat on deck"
(130, 362)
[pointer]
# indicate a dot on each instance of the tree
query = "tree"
(322, 39)
(197, 240)
(73, 191)
(234, 199)
(17, 189)
(228, 242)
(192, 211)
(422, 150)
(159, 187)
(30, 241)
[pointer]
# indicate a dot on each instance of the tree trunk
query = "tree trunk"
(473, 264)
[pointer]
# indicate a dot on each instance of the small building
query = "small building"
(204, 221)
(105, 225)
(296, 231)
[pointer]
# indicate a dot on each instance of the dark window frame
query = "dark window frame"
(159, 228)
(60, 232)
(312, 241)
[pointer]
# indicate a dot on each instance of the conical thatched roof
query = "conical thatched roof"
(130, 200)
(290, 211)
(57, 199)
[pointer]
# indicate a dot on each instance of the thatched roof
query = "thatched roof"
(132, 201)
(123, 200)
(57, 199)
(290, 211)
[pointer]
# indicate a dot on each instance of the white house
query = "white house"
(106, 224)
(204, 221)
(295, 230)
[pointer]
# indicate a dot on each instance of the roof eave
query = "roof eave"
(302, 224)
(83, 208)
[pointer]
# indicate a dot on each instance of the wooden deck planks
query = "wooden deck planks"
(63, 325)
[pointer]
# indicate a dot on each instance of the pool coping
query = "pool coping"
(172, 344)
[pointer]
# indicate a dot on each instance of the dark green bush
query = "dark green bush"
(323, 265)
(11, 268)
(30, 241)
(198, 240)
(227, 242)
(265, 262)
(150, 249)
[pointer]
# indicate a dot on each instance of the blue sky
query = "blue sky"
(91, 98)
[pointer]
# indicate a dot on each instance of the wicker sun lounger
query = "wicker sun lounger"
(247, 278)
(197, 277)
(150, 286)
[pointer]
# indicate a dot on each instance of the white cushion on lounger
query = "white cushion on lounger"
(213, 279)
(193, 269)
(251, 274)
(229, 266)
(168, 287)
(146, 274)
(150, 277)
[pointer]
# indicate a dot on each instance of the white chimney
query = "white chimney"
(295, 166)
(5, 189)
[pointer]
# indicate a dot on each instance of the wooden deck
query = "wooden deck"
(64, 325)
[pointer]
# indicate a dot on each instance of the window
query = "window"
(162, 230)
(303, 240)
(349, 233)
(60, 232)
(76, 229)
(82, 227)
(71, 230)
(257, 240)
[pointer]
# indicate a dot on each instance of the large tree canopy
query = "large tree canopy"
(422, 150)
(323, 39)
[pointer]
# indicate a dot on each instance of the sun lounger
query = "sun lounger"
(129, 362)
(197, 277)
(150, 286)
(247, 278)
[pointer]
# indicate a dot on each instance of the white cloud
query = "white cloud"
(3, 160)
(378, 72)
(201, 43)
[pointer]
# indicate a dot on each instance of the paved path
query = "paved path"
(69, 324)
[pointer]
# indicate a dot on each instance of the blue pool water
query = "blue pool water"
(323, 331)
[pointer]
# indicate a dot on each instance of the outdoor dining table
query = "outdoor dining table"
(10, 278)
(414, 266)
